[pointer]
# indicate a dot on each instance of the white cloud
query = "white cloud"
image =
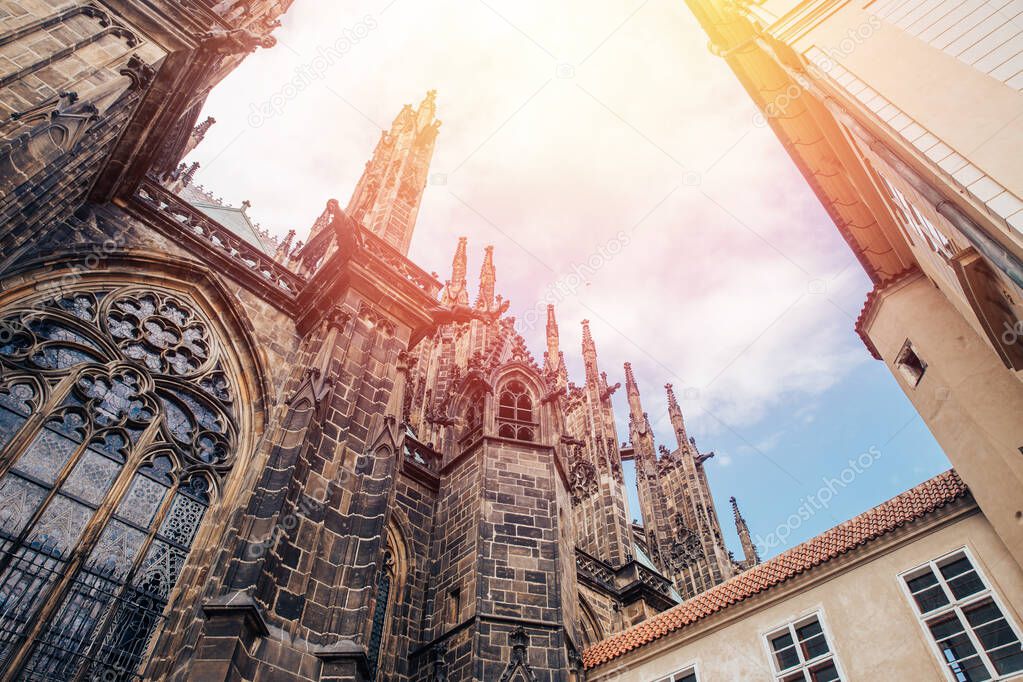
(712, 291)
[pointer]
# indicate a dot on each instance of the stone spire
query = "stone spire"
(455, 292)
(589, 355)
(427, 109)
(387, 198)
(675, 414)
(748, 548)
(488, 278)
(632, 393)
(554, 359)
(553, 349)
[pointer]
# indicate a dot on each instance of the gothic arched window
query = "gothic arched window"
(382, 650)
(385, 579)
(515, 412)
(116, 428)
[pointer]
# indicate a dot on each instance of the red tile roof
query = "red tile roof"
(911, 505)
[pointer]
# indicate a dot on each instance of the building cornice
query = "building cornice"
(873, 302)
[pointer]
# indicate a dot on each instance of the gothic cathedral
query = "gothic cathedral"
(227, 456)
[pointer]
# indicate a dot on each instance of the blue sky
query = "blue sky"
(620, 172)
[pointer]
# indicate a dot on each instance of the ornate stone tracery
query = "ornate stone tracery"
(116, 430)
(515, 412)
(686, 548)
(582, 477)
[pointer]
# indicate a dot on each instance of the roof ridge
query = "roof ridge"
(883, 518)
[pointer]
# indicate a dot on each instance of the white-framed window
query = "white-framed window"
(800, 652)
(918, 222)
(684, 675)
(972, 636)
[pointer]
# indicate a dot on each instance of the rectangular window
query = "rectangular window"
(973, 638)
(687, 675)
(919, 223)
(801, 653)
(454, 606)
(910, 365)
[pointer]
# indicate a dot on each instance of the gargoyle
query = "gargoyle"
(236, 41)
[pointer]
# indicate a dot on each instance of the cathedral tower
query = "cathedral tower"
(679, 518)
(603, 518)
(387, 198)
(224, 458)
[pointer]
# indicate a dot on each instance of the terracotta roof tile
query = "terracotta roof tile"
(911, 505)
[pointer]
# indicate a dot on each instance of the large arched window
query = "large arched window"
(116, 427)
(515, 412)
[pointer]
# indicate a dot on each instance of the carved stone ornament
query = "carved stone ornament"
(614, 459)
(236, 41)
(518, 669)
(582, 477)
(686, 548)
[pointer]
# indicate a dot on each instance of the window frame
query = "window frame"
(680, 674)
(956, 606)
(934, 239)
(805, 666)
(514, 422)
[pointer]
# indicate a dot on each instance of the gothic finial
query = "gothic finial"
(458, 263)
(488, 278)
(200, 130)
(677, 421)
(587, 337)
(590, 356)
(455, 292)
(748, 548)
(189, 175)
(553, 355)
(519, 639)
(671, 395)
(630, 379)
(552, 322)
(425, 113)
(284, 250)
(635, 405)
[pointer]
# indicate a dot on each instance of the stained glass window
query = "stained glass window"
(112, 484)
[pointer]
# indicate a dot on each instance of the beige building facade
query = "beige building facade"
(906, 119)
(846, 603)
